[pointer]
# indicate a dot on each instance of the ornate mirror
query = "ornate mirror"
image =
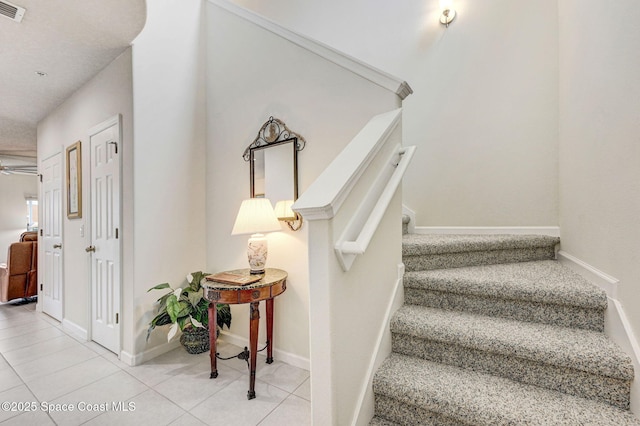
(273, 162)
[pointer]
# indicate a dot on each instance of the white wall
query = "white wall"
(599, 141)
(253, 74)
(169, 159)
(484, 109)
(104, 96)
(13, 210)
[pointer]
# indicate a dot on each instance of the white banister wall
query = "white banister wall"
(347, 307)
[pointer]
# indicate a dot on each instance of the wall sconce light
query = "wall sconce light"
(255, 217)
(448, 13)
(286, 214)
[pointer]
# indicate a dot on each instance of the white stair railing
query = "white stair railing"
(347, 250)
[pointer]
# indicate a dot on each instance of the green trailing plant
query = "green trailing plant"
(186, 307)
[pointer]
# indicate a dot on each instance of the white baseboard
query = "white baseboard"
(75, 329)
(144, 356)
(365, 406)
(599, 278)
(617, 326)
(553, 231)
(280, 355)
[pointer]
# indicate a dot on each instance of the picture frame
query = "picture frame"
(74, 181)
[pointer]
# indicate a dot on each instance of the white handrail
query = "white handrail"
(347, 250)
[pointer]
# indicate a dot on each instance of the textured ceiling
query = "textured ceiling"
(71, 41)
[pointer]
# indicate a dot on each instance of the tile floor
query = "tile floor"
(43, 367)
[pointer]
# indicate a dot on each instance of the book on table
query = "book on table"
(233, 278)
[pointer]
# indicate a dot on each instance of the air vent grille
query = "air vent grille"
(11, 11)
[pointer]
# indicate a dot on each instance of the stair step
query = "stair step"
(578, 362)
(379, 421)
(426, 252)
(413, 391)
(538, 291)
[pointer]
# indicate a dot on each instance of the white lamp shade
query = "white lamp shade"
(256, 215)
(283, 210)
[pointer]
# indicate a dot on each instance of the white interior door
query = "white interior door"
(51, 292)
(105, 229)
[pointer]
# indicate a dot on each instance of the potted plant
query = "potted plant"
(187, 309)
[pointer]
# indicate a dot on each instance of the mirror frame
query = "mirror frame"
(272, 133)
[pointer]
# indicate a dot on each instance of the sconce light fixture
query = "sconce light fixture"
(448, 13)
(286, 214)
(256, 216)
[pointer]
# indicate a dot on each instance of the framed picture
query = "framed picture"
(74, 181)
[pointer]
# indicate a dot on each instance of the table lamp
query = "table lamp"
(255, 217)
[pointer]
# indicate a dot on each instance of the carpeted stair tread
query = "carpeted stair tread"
(424, 244)
(482, 399)
(379, 421)
(582, 350)
(545, 281)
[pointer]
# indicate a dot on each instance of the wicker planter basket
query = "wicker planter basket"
(195, 340)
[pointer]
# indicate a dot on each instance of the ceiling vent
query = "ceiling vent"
(11, 11)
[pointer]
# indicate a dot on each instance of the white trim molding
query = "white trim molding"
(142, 357)
(75, 329)
(617, 326)
(400, 87)
(553, 231)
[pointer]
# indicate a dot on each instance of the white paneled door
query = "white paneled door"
(105, 245)
(51, 293)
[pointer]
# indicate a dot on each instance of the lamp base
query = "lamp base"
(257, 253)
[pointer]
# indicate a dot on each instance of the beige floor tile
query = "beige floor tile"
(16, 397)
(31, 418)
(118, 387)
(39, 350)
(292, 411)
(231, 406)
(284, 376)
(54, 362)
(23, 328)
(9, 379)
(194, 385)
(29, 339)
(304, 390)
(52, 386)
(148, 408)
(188, 420)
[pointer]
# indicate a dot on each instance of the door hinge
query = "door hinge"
(116, 233)
(40, 175)
(114, 143)
(41, 287)
(117, 318)
(41, 234)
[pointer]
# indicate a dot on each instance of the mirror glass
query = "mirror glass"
(274, 171)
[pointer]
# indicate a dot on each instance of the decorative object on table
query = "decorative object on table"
(256, 216)
(285, 213)
(233, 278)
(187, 309)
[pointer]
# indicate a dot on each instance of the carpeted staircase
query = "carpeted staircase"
(494, 331)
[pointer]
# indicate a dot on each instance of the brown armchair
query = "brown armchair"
(18, 278)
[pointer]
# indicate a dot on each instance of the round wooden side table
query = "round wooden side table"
(272, 283)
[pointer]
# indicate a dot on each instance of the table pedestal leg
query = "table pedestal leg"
(269, 303)
(213, 334)
(253, 343)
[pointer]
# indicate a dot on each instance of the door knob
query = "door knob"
(90, 249)
(57, 246)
